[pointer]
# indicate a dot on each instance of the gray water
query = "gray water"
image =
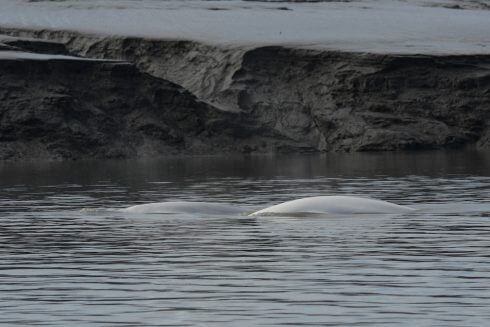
(67, 258)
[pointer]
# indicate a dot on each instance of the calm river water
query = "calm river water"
(64, 265)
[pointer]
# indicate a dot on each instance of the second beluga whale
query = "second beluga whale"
(335, 205)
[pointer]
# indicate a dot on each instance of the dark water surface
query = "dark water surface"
(64, 265)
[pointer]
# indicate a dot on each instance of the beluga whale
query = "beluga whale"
(332, 205)
(185, 207)
(311, 206)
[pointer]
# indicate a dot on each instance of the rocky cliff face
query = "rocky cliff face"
(281, 99)
(69, 108)
(361, 102)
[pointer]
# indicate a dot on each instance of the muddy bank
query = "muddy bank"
(61, 107)
(285, 99)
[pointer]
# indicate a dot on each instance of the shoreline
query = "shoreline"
(243, 99)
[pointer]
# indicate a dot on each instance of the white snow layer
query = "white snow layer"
(381, 26)
(21, 55)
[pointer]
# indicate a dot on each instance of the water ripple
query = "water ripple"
(64, 266)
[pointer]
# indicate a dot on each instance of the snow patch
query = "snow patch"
(379, 26)
(20, 55)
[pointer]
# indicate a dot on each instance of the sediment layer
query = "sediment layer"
(276, 98)
(69, 108)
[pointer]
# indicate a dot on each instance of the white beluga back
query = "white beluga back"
(334, 205)
(319, 205)
(205, 208)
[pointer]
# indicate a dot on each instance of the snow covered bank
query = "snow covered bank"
(379, 26)
(263, 77)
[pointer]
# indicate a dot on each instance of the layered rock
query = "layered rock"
(288, 99)
(360, 102)
(60, 107)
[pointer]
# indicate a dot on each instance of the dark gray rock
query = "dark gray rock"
(74, 108)
(365, 102)
(270, 99)
(32, 45)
